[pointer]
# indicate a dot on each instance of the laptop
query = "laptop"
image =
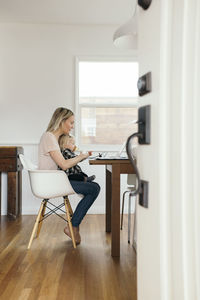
(117, 155)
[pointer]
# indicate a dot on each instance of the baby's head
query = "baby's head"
(67, 141)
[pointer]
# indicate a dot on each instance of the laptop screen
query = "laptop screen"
(121, 149)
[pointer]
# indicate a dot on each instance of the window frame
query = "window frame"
(78, 106)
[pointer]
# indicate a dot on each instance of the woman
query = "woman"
(50, 157)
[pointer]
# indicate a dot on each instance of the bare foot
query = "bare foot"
(67, 231)
(76, 233)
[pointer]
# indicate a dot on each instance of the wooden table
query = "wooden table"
(10, 163)
(113, 170)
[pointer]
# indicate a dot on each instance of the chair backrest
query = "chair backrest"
(50, 183)
(26, 163)
(46, 184)
(131, 179)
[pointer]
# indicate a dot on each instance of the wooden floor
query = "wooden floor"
(52, 269)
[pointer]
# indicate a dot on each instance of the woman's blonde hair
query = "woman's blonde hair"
(63, 139)
(60, 114)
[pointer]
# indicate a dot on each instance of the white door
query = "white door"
(168, 232)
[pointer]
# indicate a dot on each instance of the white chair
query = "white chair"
(131, 186)
(47, 184)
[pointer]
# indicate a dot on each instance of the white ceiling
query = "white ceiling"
(84, 12)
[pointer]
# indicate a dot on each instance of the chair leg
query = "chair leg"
(135, 229)
(122, 214)
(69, 206)
(36, 223)
(129, 217)
(40, 220)
(69, 220)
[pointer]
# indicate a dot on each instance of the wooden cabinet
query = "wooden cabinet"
(10, 163)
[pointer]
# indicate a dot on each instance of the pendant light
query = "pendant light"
(126, 35)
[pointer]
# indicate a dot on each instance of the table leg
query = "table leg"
(19, 193)
(0, 194)
(12, 210)
(115, 211)
(108, 201)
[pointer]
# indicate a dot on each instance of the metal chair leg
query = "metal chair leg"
(129, 217)
(123, 208)
(135, 229)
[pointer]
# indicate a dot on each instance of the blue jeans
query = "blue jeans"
(90, 191)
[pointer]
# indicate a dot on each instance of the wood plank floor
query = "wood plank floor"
(53, 270)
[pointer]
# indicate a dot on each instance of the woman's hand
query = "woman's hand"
(67, 163)
(84, 155)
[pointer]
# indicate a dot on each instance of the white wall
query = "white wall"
(37, 74)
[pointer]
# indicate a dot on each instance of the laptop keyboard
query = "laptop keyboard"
(110, 155)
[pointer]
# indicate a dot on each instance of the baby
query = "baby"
(67, 147)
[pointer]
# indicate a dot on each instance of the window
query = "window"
(106, 103)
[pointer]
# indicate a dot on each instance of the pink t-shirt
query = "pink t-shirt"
(48, 142)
